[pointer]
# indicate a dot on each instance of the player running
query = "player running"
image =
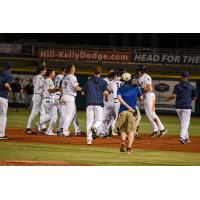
(37, 97)
(145, 82)
(69, 90)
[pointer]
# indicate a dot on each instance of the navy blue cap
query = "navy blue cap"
(185, 74)
(8, 65)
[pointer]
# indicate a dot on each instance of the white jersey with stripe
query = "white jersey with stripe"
(38, 84)
(58, 83)
(69, 84)
(48, 84)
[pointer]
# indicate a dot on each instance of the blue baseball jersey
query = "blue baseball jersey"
(184, 91)
(93, 90)
(129, 94)
(5, 77)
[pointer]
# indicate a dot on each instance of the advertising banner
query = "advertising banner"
(85, 55)
(10, 48)
(165, 58)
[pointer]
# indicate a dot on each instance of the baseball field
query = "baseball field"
(23, 149)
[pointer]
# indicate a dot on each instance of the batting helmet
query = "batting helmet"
(141, 68)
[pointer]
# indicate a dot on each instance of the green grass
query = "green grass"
(94, 155)
(19, 119)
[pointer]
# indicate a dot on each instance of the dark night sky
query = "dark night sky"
(126, 39)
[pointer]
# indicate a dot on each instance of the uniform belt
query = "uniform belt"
(38, 93)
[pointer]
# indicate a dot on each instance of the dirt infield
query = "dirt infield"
(166, 143)
(37, 163)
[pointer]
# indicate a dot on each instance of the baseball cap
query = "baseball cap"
(185, 74)
(8, 65)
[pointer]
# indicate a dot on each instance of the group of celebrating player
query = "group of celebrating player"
(107, 99)
(111, 103)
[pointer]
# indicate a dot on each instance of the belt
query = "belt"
(38, 93)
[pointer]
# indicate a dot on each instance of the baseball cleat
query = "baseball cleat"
(65, 134)
(162, 132)
(80, 134)
(3, 137)
(182, 141)
(187, 141)
(89, 142)
(128, 151)
(154, 134)
(50, 133)
(94, 132)
(114, 134)
(29, 131)
(123, 146)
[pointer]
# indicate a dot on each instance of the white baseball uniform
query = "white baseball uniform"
(149, 101)
(58, 84)
(68, 110)
(48, 107)
(37, 99)
(111, 108)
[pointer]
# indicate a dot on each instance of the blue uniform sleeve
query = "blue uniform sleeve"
(139, 92)
(105, 85)
(9, 80)
(194, 92)
(84, 89)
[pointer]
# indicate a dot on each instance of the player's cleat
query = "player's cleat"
(80, 134)
(162, 132)
(114, 134)
(136, 135)
(43, 131)
(3, 137)
(38, 127)
(89, 142)
(59, 132)
(128, 151)
(187, 141)
(182, 141)
(123, 146)
(154, 134)
(66, 134)
(94, 132)
(50, 133)
(28, 131)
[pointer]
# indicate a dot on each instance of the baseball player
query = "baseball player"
(48, 106)
(37, 98)
(6, 79)
(127, 95)
(95, 89)
(149, 102)
(58, 83)
(69, 89)
(184, 93)
(111, 107)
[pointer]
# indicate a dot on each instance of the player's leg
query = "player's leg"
(186, 114)
(151, 100)
(153, 124)
(54, 117)
(37, 99)
(106, 120)
(3, 117)
(98, 118)
(69, 110)
(75, 123)
(89, 123)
